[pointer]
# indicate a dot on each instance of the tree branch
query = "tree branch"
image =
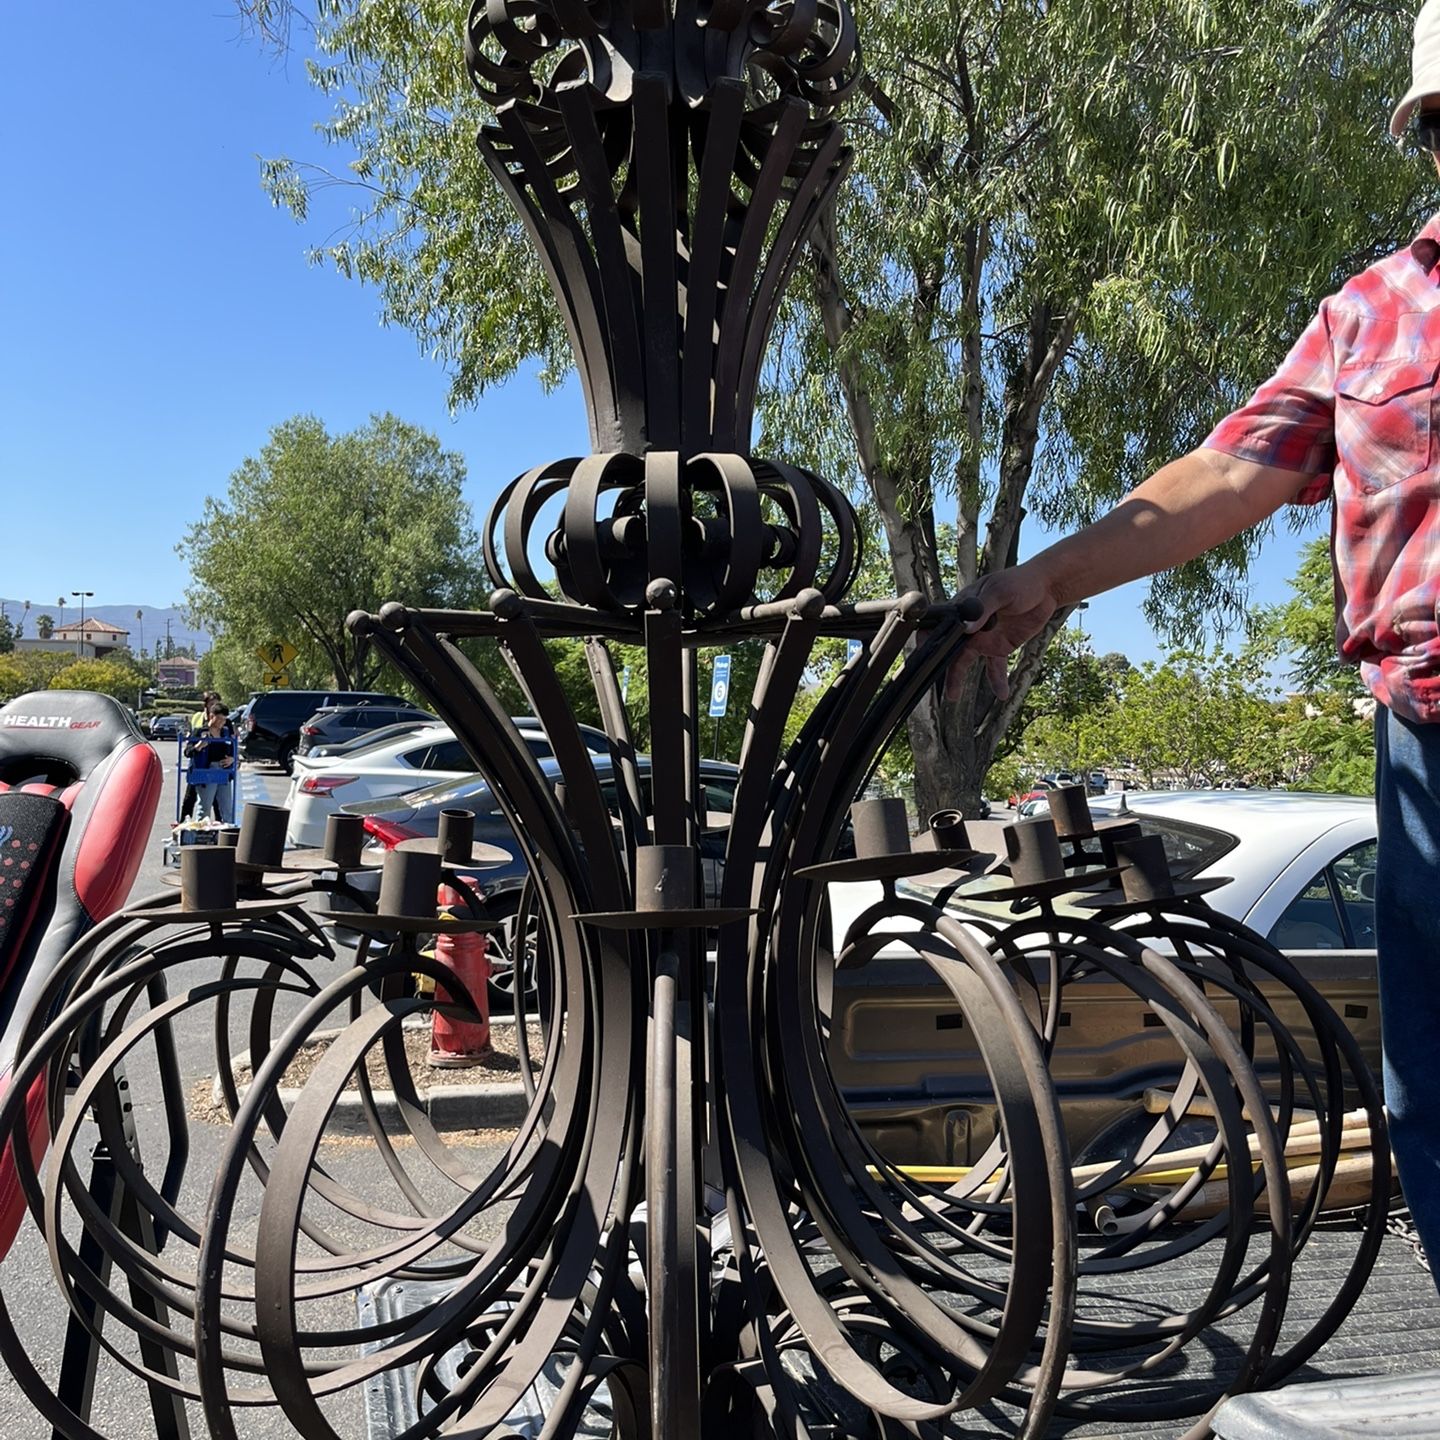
(1001, 715)
(1025, 395)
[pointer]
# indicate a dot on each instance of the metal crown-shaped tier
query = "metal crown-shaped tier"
(669, 163)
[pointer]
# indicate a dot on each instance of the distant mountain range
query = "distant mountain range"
(144, 633)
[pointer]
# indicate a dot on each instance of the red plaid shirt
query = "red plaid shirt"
(1351, 410)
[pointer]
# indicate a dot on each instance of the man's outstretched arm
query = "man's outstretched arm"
(1184, 509)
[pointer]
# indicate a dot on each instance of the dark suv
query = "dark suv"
(271, 729)
(346, 722)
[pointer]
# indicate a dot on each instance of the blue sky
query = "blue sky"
(158, 316)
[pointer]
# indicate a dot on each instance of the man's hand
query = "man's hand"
(1015, 604)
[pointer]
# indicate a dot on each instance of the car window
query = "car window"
(1189, 848)
(1353, 876)
(719, 798)
(596, 741)
(447, 755)
(372, 717)
(610, 797)
(537, 744)
(1311, 920)
(373, 739)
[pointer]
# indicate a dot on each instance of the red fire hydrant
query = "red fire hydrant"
(455, 1041)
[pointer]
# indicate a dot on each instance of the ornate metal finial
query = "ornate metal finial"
(648, 153)
(669, 166)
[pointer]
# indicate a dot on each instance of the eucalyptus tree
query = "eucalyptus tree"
(1075, 234)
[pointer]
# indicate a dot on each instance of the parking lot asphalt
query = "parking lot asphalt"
(30, 1291)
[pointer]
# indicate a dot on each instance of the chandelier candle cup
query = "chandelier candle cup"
(947, 831)
(664, 877)
(207, 878)
(262, 837)
(408, 883)
(1033, 850)
(1118, 836)
(457, 836)
(882, 827)
(1070, 812)
(1144, 868)
(344, 839)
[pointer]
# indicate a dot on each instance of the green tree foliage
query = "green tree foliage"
(229, 669)
(1328, 725)
(44, 626)
(1071, 683)
(1328, 743)
(9, 633)
(1301, 630)
(316, 526)
(22, 671)
(1074, 236)
(116, 678)
(1197, 720)
(1192, 720)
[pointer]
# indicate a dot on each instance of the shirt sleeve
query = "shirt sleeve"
(1289, 423)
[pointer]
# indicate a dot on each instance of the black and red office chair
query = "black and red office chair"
(79, 786)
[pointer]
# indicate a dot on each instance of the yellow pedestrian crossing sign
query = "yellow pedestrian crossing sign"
(276, 654)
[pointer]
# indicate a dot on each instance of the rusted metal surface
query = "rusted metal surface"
(690, 1233)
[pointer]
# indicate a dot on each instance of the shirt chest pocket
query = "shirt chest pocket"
(1382, 420)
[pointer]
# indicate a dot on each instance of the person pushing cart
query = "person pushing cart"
(211, 753)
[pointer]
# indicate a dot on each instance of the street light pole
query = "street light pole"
(83, 596)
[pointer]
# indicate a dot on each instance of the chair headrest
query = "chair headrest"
(66, 733)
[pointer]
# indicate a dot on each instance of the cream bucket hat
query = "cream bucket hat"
(1425, 68)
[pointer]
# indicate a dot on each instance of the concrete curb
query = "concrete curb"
(448, 1107)
(501, 1106)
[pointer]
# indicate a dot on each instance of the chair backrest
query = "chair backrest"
(79, 785)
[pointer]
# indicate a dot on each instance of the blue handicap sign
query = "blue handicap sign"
(720, 687)
(852, 649)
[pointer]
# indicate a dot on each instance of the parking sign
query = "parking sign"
(852, 649)
(720, 687)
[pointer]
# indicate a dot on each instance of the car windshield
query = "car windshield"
(1189, 848)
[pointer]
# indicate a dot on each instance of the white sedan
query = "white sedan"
(1301, 867)
(319, 787)
(414, 760)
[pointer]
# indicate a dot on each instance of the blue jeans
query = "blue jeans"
(222, 795)
(1407, 937)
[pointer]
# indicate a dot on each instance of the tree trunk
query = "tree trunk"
(954, 744)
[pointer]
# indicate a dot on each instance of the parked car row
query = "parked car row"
(1300, 867)
(271, 727)
(394, 761)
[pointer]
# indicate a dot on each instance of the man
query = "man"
(1347, 418)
